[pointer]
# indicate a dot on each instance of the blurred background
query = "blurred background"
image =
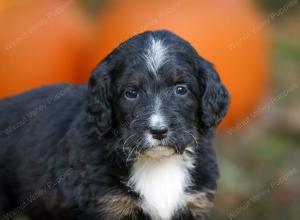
(255, 46)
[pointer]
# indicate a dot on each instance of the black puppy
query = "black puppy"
(136, 143)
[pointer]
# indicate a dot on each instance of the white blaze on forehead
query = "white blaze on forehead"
(155, 55)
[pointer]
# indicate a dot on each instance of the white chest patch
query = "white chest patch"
(161, 184)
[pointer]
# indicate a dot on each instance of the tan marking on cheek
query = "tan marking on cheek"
(200, 204)
(117, 206)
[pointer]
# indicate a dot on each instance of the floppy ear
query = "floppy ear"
(215, 97)
(99, 106)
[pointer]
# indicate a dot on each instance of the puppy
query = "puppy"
(134, 144)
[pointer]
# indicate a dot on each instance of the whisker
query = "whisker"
(125, 142)
(137, 144)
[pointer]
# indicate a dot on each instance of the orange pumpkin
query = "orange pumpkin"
(230, 34)
(40, 43)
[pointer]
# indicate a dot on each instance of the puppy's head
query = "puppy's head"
(156, 93)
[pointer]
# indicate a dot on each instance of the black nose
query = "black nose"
(159, 132)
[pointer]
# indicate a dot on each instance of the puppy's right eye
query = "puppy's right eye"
(131, 94)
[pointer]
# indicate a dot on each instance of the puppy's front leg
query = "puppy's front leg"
(119, 207)
(199, 204)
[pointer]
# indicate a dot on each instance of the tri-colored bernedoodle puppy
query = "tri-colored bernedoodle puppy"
(133, 144)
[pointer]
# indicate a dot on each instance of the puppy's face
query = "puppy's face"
(157, 96)
(157, 93)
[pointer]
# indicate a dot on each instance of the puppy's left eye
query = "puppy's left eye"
(181, 90)
(131, 94)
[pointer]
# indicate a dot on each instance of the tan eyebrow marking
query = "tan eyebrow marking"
(176, 77)
(135, 81)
